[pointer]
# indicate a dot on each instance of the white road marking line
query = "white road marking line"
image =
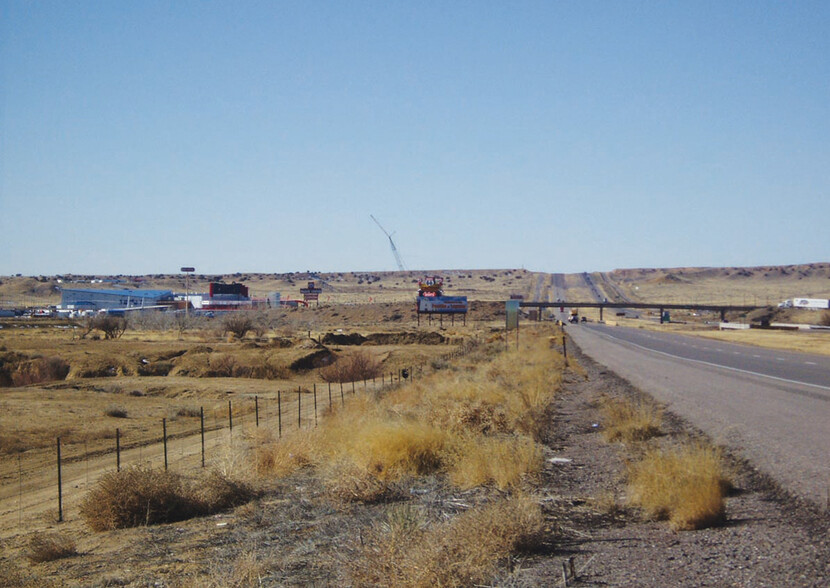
(810, 363)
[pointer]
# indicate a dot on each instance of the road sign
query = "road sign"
(188, 269)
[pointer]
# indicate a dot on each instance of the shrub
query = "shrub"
(112, 326)
(684, 485)
(137, 496)
(118, 412)
(825, 319)
(142, 496)
(237, 323)
(49, 547)
(222, 366)
(360, 365)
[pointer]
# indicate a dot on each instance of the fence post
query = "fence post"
(279, 412)
(60, 485)
(299, 411)
(352, 386)
(164, 433)
(329, 395)
(202, 426)
(230, 417)
(256, 409)
(315, 404)
(342, 398)
(117, 450)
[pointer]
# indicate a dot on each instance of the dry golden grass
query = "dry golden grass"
(504, 462)
(685, 485)
(630, 420)
(478, 427)
(405, 550)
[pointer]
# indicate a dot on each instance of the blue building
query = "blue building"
(92, 299)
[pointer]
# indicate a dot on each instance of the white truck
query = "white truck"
(809, 303)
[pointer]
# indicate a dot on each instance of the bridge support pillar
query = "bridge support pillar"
(661, 316)
(723, 315)
(600, 313)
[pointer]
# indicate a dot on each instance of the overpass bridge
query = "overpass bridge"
(661, 306)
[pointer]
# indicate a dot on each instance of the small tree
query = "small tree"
(238, 323)
(112, 326)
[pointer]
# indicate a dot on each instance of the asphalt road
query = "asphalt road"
(772, 407)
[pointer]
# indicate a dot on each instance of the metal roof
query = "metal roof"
(124, 292)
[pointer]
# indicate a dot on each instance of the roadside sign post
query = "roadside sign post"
(511, 308)
(187, 271)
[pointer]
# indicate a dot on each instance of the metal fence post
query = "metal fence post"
(202, 426)
(117, 450)
(164, 433)
(60, 485)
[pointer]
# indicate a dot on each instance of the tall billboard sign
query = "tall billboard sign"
(311, 292)
(443, 304)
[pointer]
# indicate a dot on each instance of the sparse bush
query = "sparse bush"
(188, 412)
(222, 366)
(118, 412)
(49, 547)
(141, 496)
(219, 492)
(135, 497)
(346, 481)
(237, 323)
(360, 365)
(825, 319)
(685, 485)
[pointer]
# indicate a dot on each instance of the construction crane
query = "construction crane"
(397, 255)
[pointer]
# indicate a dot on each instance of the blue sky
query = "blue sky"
(137, 137)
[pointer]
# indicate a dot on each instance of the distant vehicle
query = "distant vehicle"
(809, 303)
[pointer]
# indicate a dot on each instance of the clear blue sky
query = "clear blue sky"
(137, 137)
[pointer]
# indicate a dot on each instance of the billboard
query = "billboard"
(443, 304)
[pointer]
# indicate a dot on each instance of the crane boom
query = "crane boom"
(397, 255)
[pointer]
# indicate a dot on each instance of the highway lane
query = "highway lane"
(793, 367)
(771, 407)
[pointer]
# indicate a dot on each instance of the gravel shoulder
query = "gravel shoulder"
(769, 539)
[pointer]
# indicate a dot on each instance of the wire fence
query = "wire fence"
(51, 484)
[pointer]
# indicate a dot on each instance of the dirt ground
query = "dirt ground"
(294, 535)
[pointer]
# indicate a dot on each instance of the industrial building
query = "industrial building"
(92, 299)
